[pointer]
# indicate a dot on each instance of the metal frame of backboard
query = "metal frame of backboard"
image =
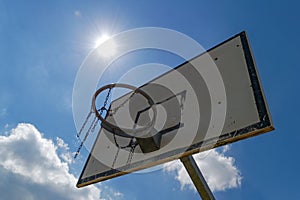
(262, 126)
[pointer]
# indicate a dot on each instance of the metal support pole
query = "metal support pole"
(197, 178)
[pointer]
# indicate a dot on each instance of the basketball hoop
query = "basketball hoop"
(121, 131)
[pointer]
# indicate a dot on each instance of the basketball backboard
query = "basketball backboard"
(190, 116)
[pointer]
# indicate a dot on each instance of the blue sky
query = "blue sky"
(43, 45)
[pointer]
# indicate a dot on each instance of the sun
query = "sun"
(106, 46)
(101, 39)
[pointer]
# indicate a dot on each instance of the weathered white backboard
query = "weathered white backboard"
(189, 116)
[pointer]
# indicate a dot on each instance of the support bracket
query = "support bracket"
(197, 178)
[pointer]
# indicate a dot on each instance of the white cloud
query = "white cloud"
(30, 168)
(219, 171)
(111, 194)
(61, 144)
(63, 150)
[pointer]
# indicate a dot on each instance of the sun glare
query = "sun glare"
(101, 39)
(107, 49)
